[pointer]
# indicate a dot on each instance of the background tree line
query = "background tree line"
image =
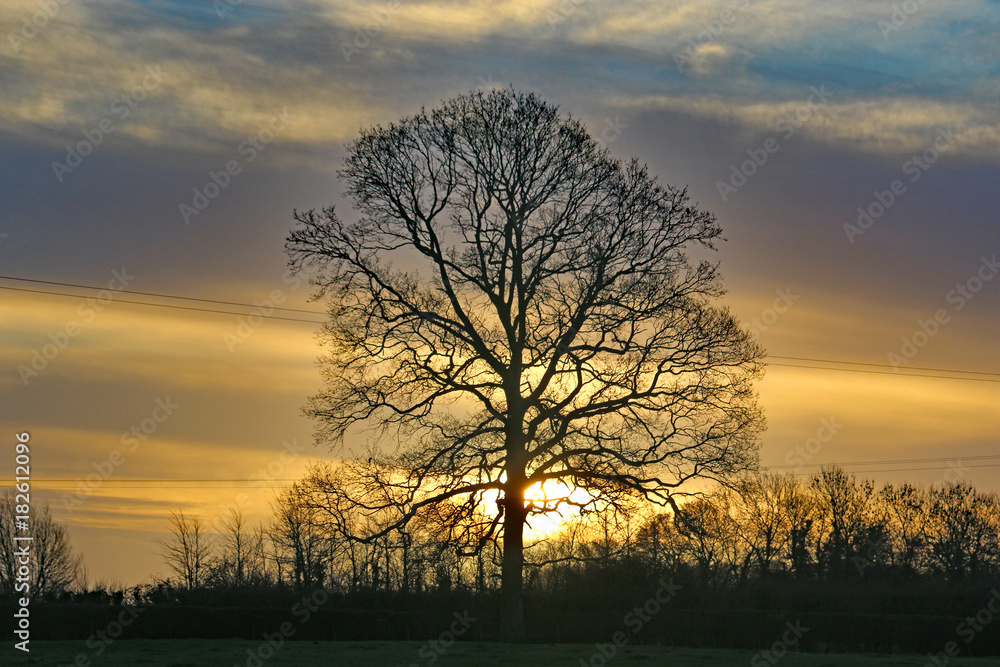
(763, 530)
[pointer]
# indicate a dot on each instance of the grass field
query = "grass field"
(226, 653)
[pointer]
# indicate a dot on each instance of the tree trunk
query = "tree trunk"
(512, 570)
(512, 567)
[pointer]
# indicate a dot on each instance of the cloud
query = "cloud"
(78, 71)
(886, 125)
(125, 343)
(337, 66)
(453, 20)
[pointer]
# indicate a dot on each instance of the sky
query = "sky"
(851, 151)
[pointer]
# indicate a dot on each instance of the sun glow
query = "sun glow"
(554, 504)
(560, 502)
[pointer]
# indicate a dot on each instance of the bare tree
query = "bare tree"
(516, 308)
(188, 550)
(710, 532)
(661, 544)
(303, 544)
(766, 509)
(241, 556)
(907, 508)
(52, 565)
(853, 524)
(963, 530)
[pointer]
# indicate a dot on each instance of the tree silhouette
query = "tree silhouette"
(964, 539)
(513, 307)
(53, 565)
(188, 550)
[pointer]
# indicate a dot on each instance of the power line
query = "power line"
(862, 363)
(158, 294)
(143, 488)
(152, 483)
(897, 372)
(161, 305)
(947, 459)
(160, 480)
(984, 465)
(235, 483)
(162, 484)
(178, 480)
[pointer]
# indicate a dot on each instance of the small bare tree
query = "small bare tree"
(241, 558)
(53, 566)
(767, 509)
(964, 531)
(907, 508)
(302, 542)
(188, 549)
(853, 523)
